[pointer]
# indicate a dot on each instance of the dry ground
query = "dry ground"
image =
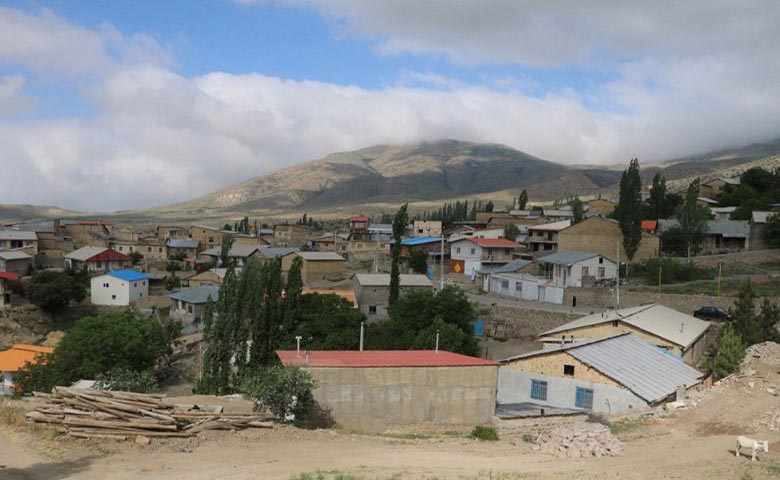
(692, 444)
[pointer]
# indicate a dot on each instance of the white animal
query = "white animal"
(753, 445)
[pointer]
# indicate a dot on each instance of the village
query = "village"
(543, 327)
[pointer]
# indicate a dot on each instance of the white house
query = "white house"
(525, 287)
(119, 288)
(575, 269)
(469, 255)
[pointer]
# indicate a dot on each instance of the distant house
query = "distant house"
(544, 237)
(15, 261)
(758, 229)
(558, 214)
(23, 240)
(577, 269)
(119, 287)
(322, 266)
(168, 232)
(722, 236)
(601, 206)
(613, 374)
(372, 291)
(676, 332)
(13, 359)
(6, 296)
(380, 232)
(515, 266)
(295, 236)
(427, 228)
(358, 226)
(188, 306)
(207, 237)
(431, 245)
(706, 202)
(723, 213)
(332, 242)
(186, 247)
(525, 287)
(603, 236)
(650, 226)
(97, 259)
(238, 253)
(713, 188)
(152, 248)
(284, 254)
(470, 255)
(215, 276)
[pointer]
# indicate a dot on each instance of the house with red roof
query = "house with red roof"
(97, 259)
(5, 288)
(469, 255)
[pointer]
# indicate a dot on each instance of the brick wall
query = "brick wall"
(599, 235)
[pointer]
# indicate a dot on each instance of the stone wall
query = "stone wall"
(27, 324)
(604, 298)
(515, 322)
(749, 259)
(377, 399)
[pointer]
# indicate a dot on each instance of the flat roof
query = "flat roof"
(321, 256)
(383, 280)
(380, 358)
(551, 227)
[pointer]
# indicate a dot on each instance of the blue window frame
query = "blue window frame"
(584, 398)
(539, 389)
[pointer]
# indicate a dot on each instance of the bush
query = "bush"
(52, 291)
(671, 271)
(286, 392)
(484, 433)
(126, 380)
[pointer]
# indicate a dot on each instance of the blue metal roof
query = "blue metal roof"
(182, 243)
(420, 240)
(128, 275)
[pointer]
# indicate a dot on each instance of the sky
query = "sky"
(131, 104)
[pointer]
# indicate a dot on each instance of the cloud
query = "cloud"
(158, 137)
(11, 99)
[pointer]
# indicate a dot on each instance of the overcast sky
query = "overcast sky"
(121, 105)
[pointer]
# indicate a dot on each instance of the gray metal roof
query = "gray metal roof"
(276, 252)
(14, 255)
(724, 228)
(761, 217)
(182, 243)
(236, 251)
(649, 372)
(567, 257)
(197, 295)
(510, 267)
(85, 253)
(18, 235)
(321, 256)
(383, 280)
(661, 321)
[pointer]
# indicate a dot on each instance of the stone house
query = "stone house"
(215, 276)
(6, 296)
(186, 247)
(85, 232)
(376, 390)
(15, 261)
(291, 236)
(168, 232)
(714, 187)
(332, 242)
(119, 287)
(285, 254)
(722, 236)
(238, 253)
(603, 236)
(681, 335)
(207, 237)
(601, 206)
(189, 305)
(469, 255)
(427, 228)
(97, 259)
(372, 291)
(358, 226)
(319, 266)
(544, 237)
(578, 269)
(152, 248)
(615, 374)
(22, 240)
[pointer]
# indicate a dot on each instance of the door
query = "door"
(541, 294)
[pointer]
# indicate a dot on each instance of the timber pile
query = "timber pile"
(119, 415)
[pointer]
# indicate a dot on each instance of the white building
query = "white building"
(525, 287)
(576, 269)
(119, 288)
(469, 255)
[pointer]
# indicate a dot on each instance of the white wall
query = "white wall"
(532, 289)
(109, 290)
(572, 276)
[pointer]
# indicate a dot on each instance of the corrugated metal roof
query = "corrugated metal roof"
(276, 252)
(18, 235)
(724, 228)
(321, 256)
(638, 365)
(128, 275)
(197, 295)
(510, 267)
(420, 240)
(182, 243)
(85, 253)
(380, 358)
(550, 227)
(383, 280)
(569, 344)
(567, 257)
(14, 255)
(658, 320)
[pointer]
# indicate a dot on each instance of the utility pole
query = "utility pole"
(720, 271)
(617, 291)
(659, 281)
(441, 263)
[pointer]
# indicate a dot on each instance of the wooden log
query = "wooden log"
(258, 424)
(98, 435)
(83, 422)
(124, 431)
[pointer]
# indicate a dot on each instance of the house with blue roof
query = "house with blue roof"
(119, 288)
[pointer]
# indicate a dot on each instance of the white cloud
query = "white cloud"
(11, 99)
(159, 137)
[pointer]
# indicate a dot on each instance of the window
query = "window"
(585, 271)
(504, 283)
(615, 323)
(601, 260)
(518, 287)
(372, 309)
(473, 251)
(135, 284)
(538, 390)
(159, 249)
(148, 249)
(568, 370)
(105, 285)
(584, 398)
(602, 272)
(113, 297)
(457, 249)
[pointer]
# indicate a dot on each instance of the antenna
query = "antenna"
(361, 335)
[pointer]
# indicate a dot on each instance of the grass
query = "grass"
(484, 433)
(625, 426)
(773, 468)
(728, 288)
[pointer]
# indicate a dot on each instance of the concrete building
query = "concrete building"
(15, 261)
(722, 236)
(680, 334)
(723, 213)
(427, 228)
(119, 287)
(601, 206)
(431, 245)
(525, 287)
(372, 291)
(285, 254)
(515, 266)
(544, 237)
(238, 253)
(713, 188)
(186, 247)
(97, 259)
(758, 230)
(85, 232)
(615, 374)
(22, 240)
(6, 296)
(358, 226)
(189, 305)
(207, 237)
(578, 269)
(332, 242)
(14, 358)
(152, 248)
(380, 390)
(295, 236)
(603, 236)
(469, 255)
(168, 232)
(215, 276)
(319, 266)
(380, 232)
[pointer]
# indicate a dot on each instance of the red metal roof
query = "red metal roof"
(494, 242)
(8, 276)
(380, 358)
(649, 224)
(359, 218)
(109, 255)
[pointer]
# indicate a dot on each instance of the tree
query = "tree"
(522, 200)
(730, 353)
(657, 196)
(751, 326)
(52, 291)
(285, 391)
(126, 380)
(628, 211)
(772, 233)
(768, 321)
(228, 228)
(577, 209)
(399, 227)
(693, 219)
(418, 260)
(136, 257)
(511, 231)
(327, 322)
(489, 206)
(224, 251)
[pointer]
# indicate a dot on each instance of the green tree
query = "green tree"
(418, 260)
(522, 200)
(282, 390)
(744, 316)
(224, 252)
(577, 209)
(489, 206)
(693, 219)
(657, 196)
(328, 322)
(511, 231)
(628, 210)
(126, 380)
(52, 291)
(227, 227)
(136, 257)
(768, 321)
(399, 227)
(730, 353)
(772, 233)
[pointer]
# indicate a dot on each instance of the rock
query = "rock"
(675, 405)
(143, 440)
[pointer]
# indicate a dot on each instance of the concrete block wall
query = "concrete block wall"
(377, 399)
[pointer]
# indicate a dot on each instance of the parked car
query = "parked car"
(712, 313)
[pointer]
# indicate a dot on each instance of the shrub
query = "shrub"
(731, 352)
(286, 392)
(126, 380)
(484, 433)
(52, 291)
(671, 271)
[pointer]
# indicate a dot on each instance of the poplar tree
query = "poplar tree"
(628, 210)
(657, 196)
(522, 201)
(399, 227)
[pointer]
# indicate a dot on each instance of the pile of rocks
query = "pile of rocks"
(579, 440)
(770, 420)
(767, 352)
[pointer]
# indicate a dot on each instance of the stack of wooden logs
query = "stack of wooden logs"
(119, 415)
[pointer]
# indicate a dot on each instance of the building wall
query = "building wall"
(151, 251)
(93, 267)
(30, 247)
(551, 364)
(607, 329)
(757, 239)
(20, 266)
(531, 289)
(165, 232)
(204, 278)
(377, 399)
(602, 236)
(574, 274)
(189, 314)
(427, 228)
(515, 387)
(290, 236)
(314, 270)
(601, 207)
(108, 290)
(378, 297)
(206, 237)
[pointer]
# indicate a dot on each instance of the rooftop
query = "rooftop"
(510, 267)
(359, 218)
(182, 243)
(420, 241)
(551, 227)
(14, 358)
(8, 276)
(321, 256)
(649, 224)
(18, 235)
(494, 242)
(724, 228)
(567, 257)
(380, 358)
(383, 280)
(14, 255)
(236, 251)
(761, 217)
(128, 275)
(197, 295)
